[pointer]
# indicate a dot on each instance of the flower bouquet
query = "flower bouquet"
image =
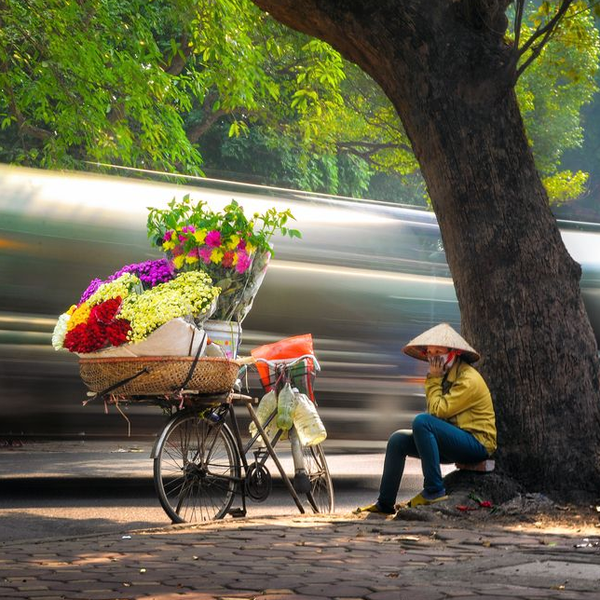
(137, 333)
(131, 304)
(233, 250)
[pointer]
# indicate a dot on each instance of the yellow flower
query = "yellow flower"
(169, 245)
(200, 235)
(233, 242)
(190, 260)
(178, 261)
(80, 315)
(72, 309)
(174, 236)
(250, 248)
(216, 256)
(236, 257)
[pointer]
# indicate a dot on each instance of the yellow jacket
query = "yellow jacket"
(467, 404)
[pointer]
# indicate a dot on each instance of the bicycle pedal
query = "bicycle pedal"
(237, 512)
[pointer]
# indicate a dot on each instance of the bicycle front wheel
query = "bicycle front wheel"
(320, 497)
(196, 468)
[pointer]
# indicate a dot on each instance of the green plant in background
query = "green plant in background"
(193, 86)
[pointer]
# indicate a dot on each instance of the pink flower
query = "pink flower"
(184, 230)
(213, 238)
(242, 245)
(204, 253)
(167, 236)
(194, 252)
(243, 263)
(177, 250)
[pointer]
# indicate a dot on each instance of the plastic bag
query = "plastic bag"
(302, 374)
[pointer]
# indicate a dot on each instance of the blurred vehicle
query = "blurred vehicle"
(366, 277)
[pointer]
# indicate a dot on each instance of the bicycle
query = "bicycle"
(201, 461)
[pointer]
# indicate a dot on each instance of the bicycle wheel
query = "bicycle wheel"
(320, 496)
(195, 468)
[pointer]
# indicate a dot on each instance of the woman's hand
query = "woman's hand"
(436, 366)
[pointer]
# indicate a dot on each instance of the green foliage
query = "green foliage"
(552, 92)
(84, 81)
(564, 186)
(217, 85)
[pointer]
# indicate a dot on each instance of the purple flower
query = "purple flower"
(150, 272)
(91, 289)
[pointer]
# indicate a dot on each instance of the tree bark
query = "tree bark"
(447, 70)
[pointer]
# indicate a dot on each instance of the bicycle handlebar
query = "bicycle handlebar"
(289, 362)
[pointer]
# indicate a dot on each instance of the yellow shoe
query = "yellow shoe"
(373, 508)
(420, 500)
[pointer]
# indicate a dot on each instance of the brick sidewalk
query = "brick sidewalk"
(303, 558)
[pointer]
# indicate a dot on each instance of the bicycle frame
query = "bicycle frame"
(244, 449)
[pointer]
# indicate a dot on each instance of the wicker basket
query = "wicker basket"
(160, 374)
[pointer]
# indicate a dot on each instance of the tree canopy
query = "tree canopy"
(198, 85)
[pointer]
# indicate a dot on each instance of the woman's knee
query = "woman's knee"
(399, 441)
(422, 421)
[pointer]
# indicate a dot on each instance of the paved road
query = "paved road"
(68, 488)
(303, 558)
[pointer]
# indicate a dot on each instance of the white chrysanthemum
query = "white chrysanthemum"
(60, 331)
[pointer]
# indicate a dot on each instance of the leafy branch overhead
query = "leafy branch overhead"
(196, 84)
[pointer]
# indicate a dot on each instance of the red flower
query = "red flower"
(86, 337)
(117, 331)
(228, 257)
(106, 311)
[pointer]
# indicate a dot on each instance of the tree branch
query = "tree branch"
(195, 132)
(544, 33)
(178, 61)
(520, 7)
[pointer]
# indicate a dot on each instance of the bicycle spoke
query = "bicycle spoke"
(196, 469)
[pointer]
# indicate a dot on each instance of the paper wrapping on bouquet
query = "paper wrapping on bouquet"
(176, 337)
(302, 373)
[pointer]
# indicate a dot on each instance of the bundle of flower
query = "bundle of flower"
(149, 272)
(130, 305)
(231, 248)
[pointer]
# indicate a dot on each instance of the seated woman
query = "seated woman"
(459, 426)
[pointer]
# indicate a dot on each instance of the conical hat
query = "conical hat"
(440, 335)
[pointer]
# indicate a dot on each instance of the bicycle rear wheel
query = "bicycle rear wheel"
(196, 468)
(320, 497)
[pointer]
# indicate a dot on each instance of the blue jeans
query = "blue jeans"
(434, 441)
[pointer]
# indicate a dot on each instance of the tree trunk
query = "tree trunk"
(450, 75)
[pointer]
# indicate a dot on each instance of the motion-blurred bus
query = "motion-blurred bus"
(364, 279)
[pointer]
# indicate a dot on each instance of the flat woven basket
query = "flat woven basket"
(160, 374)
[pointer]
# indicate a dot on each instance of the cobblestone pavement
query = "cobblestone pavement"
(304, 558)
